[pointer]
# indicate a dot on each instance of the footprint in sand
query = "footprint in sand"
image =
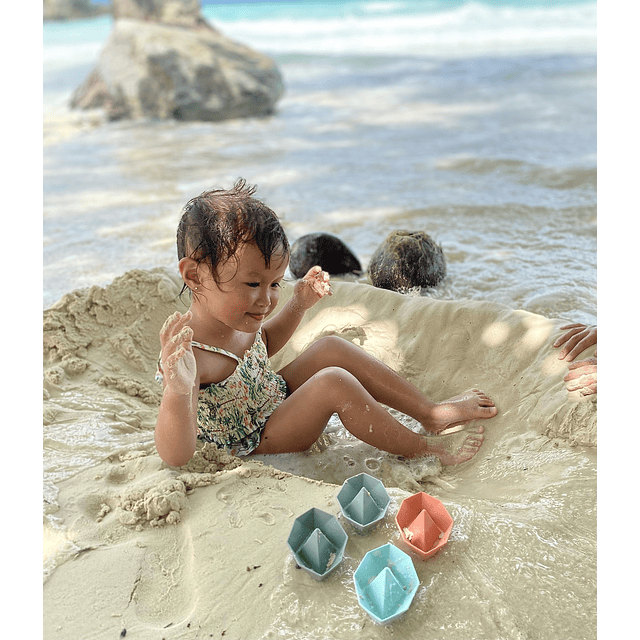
(224, 495)
(235, 520)
(287, 512)
(266, 518)
(171, 574)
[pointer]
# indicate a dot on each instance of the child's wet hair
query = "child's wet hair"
(216, 223)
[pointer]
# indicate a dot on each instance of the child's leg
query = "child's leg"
(386, 386)
(298, 422)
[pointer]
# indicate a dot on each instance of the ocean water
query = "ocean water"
(474, 121)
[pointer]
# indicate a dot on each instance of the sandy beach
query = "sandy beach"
(474, 121)
(201, 551)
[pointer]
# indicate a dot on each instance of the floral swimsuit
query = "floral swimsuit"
(232, 414)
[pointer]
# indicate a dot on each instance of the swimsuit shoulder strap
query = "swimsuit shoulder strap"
(207, 347)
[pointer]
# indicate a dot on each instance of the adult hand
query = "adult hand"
(583, 376)
(577, 338)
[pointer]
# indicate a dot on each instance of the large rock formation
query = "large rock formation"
(184, 12)
(163, 60)
(71, 9)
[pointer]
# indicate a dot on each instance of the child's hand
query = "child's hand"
(313, 287)
(178, 361)
(578, 338)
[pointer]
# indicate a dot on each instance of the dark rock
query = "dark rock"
(325, 250)
(407, 259)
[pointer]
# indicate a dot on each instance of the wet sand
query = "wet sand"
(201, 551)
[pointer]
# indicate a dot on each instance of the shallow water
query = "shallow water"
(492, 151)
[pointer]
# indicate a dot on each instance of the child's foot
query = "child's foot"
(465, 451)
(468, 406)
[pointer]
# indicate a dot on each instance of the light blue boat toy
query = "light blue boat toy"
(386, 582)
(317, 541)
(363, 501)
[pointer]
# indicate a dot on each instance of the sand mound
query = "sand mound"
(133, 544)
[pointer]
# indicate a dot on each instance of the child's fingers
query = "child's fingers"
(574, 343)
(174, 357)
(183, 336)
(321, 276)
(177, 355)
(576, 346)
(311, 275)
(169, 322)
(326, 284)
(569, 348)
(174, 323)
(322, 288)
(578, 338)
(318, 280)
(314, 271)
(180, 341)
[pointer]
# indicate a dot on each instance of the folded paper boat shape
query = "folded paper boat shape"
(424, 523)
(386, 582)
(317, 541)
(363, 501)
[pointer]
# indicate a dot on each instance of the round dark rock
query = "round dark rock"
(407, 259)
(325, 250)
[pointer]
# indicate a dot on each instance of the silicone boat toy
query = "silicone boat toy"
(317, 541)
(363, 501)
(386, 582)
(424, 523)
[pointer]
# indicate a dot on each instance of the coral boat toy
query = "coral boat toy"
(424, 523)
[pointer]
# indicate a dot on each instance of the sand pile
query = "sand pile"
(201, 551)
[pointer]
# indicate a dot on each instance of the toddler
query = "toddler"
(218, 384)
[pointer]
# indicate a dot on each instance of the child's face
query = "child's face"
(248, 291)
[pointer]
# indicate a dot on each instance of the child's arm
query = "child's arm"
(176, 427)
(306, 292)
